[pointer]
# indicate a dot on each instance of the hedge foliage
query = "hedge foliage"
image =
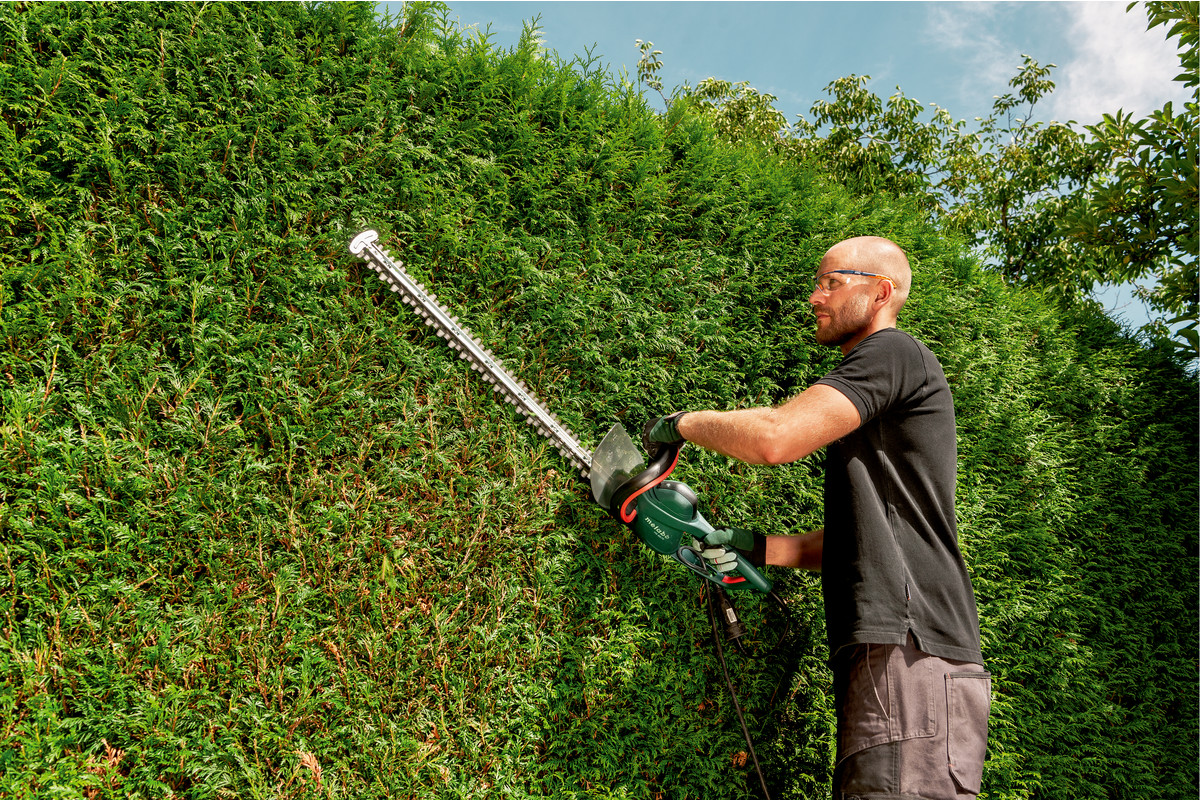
(261, 535)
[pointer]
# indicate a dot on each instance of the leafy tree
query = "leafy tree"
(1050, 204)
(738, 111)
(1001, 186)
(1143, 211)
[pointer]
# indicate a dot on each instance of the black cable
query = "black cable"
(717, 598)
(787, 628)
(737, 707)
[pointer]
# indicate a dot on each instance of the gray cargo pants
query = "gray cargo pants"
(910, 725)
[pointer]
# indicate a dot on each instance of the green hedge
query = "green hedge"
(262, 536)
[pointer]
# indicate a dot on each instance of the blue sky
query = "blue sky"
(959, 55)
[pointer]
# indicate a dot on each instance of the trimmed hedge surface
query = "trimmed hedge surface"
(261, 535)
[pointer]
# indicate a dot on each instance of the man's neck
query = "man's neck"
(867, 331)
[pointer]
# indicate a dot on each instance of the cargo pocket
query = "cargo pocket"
(968, 702)
(891, 695)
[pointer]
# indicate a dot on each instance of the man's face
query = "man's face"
(842, 311)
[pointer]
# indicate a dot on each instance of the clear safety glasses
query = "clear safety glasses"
(826, 284)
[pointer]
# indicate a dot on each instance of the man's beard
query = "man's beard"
(845, 323)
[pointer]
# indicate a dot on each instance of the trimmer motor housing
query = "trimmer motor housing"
(665, 515)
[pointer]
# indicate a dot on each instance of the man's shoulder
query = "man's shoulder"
(891, 358)
(892, 341)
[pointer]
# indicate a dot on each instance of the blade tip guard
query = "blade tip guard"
(358, 243)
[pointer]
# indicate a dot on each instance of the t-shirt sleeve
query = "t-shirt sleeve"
(881, 371)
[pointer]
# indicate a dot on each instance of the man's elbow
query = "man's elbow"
(774, 442)
(775, 450)
(804, 425)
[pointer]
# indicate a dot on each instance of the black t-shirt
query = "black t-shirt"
(891, 562)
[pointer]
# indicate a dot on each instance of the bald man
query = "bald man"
(910, 688)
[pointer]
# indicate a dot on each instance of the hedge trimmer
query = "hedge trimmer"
(661, 512)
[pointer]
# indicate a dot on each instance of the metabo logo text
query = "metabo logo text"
(662, 533)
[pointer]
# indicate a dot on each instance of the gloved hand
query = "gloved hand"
(660, 431)
(715, 547)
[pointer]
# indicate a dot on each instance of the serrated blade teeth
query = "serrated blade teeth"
(463, 341)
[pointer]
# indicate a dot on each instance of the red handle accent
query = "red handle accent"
(628, 516)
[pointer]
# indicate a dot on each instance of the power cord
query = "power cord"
(721, 605)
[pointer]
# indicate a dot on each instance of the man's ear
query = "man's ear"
(884, 292)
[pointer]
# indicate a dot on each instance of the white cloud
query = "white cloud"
(972, 31)
(1117, 64)
(1106, 59)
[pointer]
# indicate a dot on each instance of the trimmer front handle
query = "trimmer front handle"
(661, 465)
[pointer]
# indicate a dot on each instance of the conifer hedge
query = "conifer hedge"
(261, 535)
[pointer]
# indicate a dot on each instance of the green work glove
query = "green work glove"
(715, 547)
(660, 431)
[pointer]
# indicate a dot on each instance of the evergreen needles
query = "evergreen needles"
(262, 536)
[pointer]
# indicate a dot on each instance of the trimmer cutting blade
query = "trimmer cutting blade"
(482, 360)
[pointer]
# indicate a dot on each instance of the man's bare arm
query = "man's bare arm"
(778, 434)
(800, 552)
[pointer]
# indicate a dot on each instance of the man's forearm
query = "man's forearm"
(774, 435)
(799, 552)
(737, 434)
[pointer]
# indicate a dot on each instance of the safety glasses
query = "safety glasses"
(826, 285)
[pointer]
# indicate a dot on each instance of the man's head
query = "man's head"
(861, 285)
